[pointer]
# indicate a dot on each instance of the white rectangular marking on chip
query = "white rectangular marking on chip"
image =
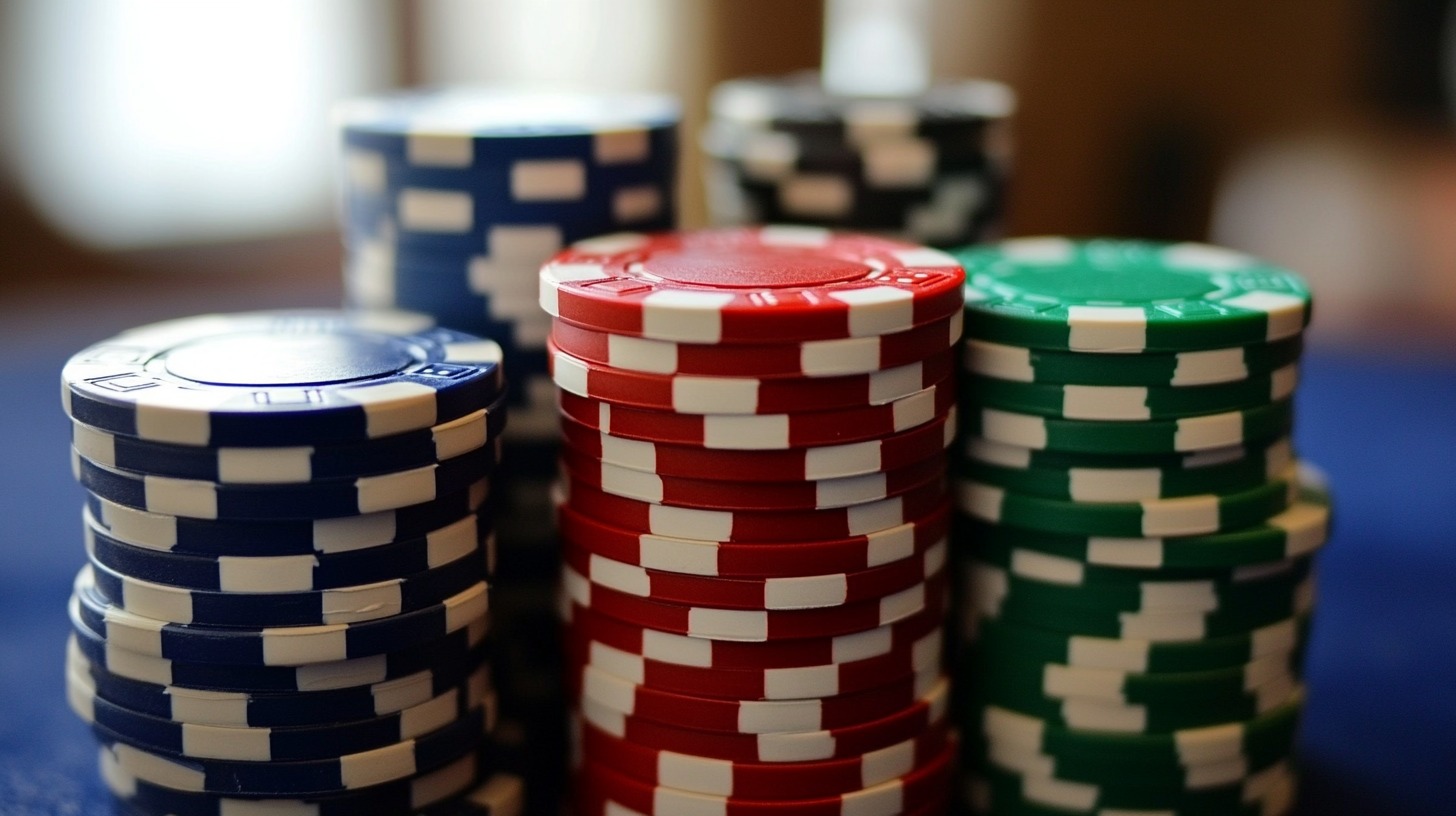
(399, 489)
(1283, 381)
(1179, 596)
(1105, 402)
(713, 776)
(632, 453)
(361, 671)
(638, 203)
(632, 483)
(216, 742)
(1162, 626)
(621, 147)
(895, 383)
(680, 649)
(683, 522)
(301, 645)
(686, 317)
(264, 466)
(867, 518)
(184, 417)
(378, 766)
(746, 432)
(915, 410)
(368, 602)
(571, 374)
(462, 435)
(436, 211)
(365, 170)
(637, 354)
(609, 690)
(1207, 367)
(1113, 485)
(548, 180)
(888, 546)
(714, 395)
(1190, 515)
(828, 358)
(1211, 431)
(902, 604)
(877, 310)
(980, 500)
(1125, 552)
(1284, 312)
(1105, 716)
(997, 360)
(1306, 526)
(728, 624)
(862, 645)
(763, 719)
(1024, 430)
(836, 460)
(277, 573)
(391, 408)
(807, 592)
(617, 662)
(795, 747)
(626, 578)
(439, 150)
(159, 771)
(1106, 328)
(900, 163)
(180, 497)
(816, 195)
(675, 555)
(1108, 653)
(1049, 568)
(801, 681)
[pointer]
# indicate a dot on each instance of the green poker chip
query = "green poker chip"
(1159, 588)
(1129, 403)
(1178, 370)
(1135, 718)
(1094, 478)
(1265, 737)
(1295, 533)
(1127, 297)
(1250, 426)
(1178, 516)
(998, 790)
(1288, 636)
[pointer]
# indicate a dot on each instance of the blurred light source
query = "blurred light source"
(610, 46)
(137, 122)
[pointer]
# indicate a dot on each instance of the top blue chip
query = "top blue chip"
(281, 378)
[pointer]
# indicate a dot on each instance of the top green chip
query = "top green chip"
(1127, 297)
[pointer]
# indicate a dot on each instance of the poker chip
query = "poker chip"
(711, 623)
(467, 538)
(1090, 478)
(1188, 434)
(769, 284)
(760, 431)
(921, 787)
(930, 167)
(769, 466)
(1124, 297)
(687, 394)
(753, 560)
(753, 780)
(798, 592)
(707, 494)
(405, 795)
(1182, 515)
(280, 378)
(1120, 402)
(1169, 370)
(1271, 790)
(789, 683)
(292, 465)
(810, 359)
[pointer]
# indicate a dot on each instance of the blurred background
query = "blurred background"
(167, 157)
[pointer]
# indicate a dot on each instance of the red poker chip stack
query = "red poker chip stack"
(753, 512)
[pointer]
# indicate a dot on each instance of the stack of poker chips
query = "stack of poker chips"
(754, 517)
(289, 536)
(1139, 531)
(929, 168)
(450, 202)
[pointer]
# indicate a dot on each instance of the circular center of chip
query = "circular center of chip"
(1131, 278)
(779, 269)
(288, 359)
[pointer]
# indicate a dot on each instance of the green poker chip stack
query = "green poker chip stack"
(1136, 532)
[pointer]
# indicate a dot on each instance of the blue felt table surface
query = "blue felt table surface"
(1380, 730)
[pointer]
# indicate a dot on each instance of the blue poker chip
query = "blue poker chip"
(271, 646)
(349, 771)
(352, 604)
(269, 379)
(331, 498)
(472, 698)
(455, 652)
(469, 538)
(271, 709)
(160, 531)
(298, 464)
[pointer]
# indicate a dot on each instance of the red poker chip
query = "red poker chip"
(753, 625)
(800, 746)
(922, 786)
(756, 780)
(756, 285)
(794, 683)
(815, 358)
(710, 494)
(754, 525)
(670, 647)
(748, 716)
(777, 559)
(806, 429)
(800, 592)
(791, 465)
(686, 394)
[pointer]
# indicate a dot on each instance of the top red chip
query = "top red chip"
(750, 285)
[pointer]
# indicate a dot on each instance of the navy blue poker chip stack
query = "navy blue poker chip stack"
(929, 168)
(450, 201)
(290, 537)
